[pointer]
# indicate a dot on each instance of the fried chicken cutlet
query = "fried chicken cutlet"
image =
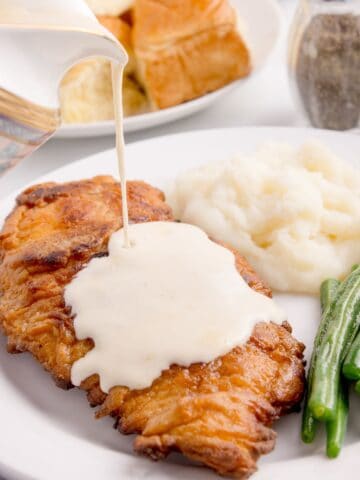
(218, 413)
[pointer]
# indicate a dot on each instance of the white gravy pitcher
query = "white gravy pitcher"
(39, 41)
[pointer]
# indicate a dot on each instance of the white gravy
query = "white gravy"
(165, 295)
(173, 297)
(117, 81)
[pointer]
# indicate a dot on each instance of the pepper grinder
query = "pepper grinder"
(324, 62)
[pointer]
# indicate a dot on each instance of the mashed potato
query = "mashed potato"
(294, 213)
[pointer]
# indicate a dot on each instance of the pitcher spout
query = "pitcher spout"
(39, 41)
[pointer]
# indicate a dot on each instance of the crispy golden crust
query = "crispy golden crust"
(218, 413)
(187, 48)
(160, 21)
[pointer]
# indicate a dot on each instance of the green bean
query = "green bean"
(336, 429)
(357, 387)
(309, 423)
(342, 319)
(351, 365)
(328, 292)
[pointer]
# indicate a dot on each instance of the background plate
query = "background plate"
(50, 433)
(262, 33)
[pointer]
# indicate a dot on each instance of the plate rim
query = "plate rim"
(150, 119)
(206, 131)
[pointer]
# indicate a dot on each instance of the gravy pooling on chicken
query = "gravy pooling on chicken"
(174, 297)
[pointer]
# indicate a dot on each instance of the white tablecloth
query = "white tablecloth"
(264, 100)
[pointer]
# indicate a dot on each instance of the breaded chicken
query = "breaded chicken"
(218, 413)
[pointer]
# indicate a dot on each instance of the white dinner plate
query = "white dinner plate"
(262, 19)
(47, 433)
